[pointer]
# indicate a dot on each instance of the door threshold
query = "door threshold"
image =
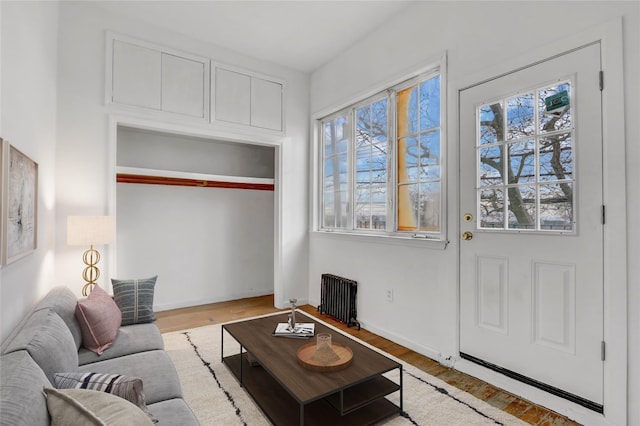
(598, 408)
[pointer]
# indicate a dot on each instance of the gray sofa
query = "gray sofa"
(48, 341)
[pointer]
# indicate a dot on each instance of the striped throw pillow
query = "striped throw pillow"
(129, 388)
(135, 299)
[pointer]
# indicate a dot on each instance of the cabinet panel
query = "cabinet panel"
(136, 75)
(232, 97)
(183, 85)
(266, 104)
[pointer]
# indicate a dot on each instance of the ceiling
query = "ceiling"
(298, 34)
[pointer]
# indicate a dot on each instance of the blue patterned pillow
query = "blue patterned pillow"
(129, 388)
(135, 299)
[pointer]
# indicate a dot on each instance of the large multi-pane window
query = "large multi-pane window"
(381, 162)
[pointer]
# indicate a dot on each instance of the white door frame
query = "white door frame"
(274, 141)
(615, 230)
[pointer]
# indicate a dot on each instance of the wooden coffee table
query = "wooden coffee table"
(290, 394)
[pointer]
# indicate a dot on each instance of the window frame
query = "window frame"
(390, 232)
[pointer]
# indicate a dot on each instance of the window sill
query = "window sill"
(382, 239)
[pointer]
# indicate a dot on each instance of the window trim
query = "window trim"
(436, 66)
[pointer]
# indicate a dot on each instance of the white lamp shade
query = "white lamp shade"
(90, 230)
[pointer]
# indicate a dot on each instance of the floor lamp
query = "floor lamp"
(90, 231)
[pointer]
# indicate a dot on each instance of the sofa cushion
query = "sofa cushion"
(99, 318)
(21, 399)
(174, 412)
(63, 301)
(155, 368)
(129, 388)
(89, 407)
(135, 299)
(129, 340)
(49, 342)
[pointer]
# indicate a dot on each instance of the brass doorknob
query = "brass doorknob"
(467, 235)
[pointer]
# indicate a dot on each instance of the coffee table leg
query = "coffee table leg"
(241, 382)
(301, 414)
(401, 387)
(222, 345)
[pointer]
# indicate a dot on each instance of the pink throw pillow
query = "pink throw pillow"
(99, 318)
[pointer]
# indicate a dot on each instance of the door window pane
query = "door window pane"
(522, 162)
(520, 116)
(556, 159)
(492, 208)
(491, 166)
(554, 108)
(522, 207)
(556, 207)
(491, 123)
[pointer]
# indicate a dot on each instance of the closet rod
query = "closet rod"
(204, 183)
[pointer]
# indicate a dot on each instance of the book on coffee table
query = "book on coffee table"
(302, 330)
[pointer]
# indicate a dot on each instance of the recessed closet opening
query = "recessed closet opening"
(198, 213)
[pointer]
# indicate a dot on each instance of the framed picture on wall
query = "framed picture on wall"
(19, 204)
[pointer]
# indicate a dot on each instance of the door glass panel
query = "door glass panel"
(522, 162)
(491, 166)
(554, 108)
(492, 208)
(491, 123)
(537, 182)
(520, 116)
(556, 206)
(522, 207)
(556, 159)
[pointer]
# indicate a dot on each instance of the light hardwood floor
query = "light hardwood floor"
(217, 313)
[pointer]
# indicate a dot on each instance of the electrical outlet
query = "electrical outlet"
(389, 294)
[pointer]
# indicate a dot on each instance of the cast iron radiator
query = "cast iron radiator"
(338, 299)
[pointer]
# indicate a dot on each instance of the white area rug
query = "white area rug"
(216, 398)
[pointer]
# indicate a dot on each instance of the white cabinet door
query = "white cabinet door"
(246, 98)
(183, 86)
(136, 75)
(232, 97)
(266, 104)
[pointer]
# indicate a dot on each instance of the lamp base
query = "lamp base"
(87, 288)
(91, 273)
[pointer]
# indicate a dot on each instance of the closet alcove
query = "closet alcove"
(196, 212)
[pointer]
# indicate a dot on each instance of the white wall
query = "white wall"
(477, 36)
(84, 182)
(28, 121)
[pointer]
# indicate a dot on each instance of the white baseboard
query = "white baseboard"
(197, 302)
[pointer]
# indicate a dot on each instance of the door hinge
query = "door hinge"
(604, 214)
(602, 350)
(601, 79)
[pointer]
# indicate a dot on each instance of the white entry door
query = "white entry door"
(531, 249)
